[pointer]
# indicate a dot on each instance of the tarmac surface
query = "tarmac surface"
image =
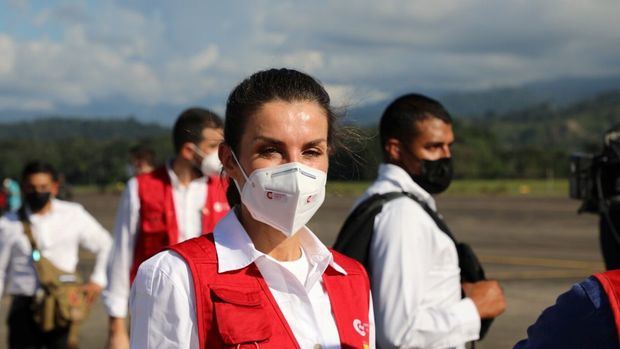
(537, 248)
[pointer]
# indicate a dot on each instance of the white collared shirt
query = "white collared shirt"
(163, 289)
(59, 233)
(415, 274)
(189, 202)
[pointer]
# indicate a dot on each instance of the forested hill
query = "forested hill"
(580, 125)
(86, 151)
(535, 142)
(59, 128)
(531, 143)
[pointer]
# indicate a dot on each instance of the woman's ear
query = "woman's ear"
(228, 162)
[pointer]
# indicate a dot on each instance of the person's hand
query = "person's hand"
(91, 291)
(118, 338)
(488, 297)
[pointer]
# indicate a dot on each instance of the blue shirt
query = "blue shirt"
(580, 318)
(15, 199)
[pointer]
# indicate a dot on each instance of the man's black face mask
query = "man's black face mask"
(37, 200)
(435, 175)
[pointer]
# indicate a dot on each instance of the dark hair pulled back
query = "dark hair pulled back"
(269, 85)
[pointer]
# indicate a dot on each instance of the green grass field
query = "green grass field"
(498, 187)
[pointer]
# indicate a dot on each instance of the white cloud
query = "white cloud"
(204, 59)
(26, 104)
(347, 96)
(19, 4)
(306, 60)
(7, 54)
(153, 53)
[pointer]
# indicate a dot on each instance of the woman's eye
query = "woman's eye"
(313, 152)
(268, 151)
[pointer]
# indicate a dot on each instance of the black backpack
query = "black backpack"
(356, 233)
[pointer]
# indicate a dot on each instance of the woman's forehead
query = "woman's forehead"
(288, 122)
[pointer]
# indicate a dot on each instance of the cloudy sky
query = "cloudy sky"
(86, 56)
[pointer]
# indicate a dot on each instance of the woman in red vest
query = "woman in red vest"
(262, 279)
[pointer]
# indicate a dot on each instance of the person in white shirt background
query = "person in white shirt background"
(141, 160)
(174, 202)
(414, 266)
(262, 279)
(59, 229)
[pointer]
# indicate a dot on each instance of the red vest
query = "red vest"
(236, 309)
(157, 228)
(610, 281)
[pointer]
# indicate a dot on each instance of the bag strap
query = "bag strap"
(27, 228)
(434, 215)
(354, 242)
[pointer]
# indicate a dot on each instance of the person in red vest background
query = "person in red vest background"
(262, 279)
(586, 316)
(180, 200)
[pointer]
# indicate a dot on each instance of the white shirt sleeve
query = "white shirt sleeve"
(371, 321)
(95, 239)
(6, 244)
(401, 258)
(116, 294)
(162, 302)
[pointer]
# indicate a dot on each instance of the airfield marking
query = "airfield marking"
(554, 268)
(542, 262)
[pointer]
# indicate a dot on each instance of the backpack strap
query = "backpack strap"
(470, 266)
(356, 235)
(434, 215)
(23, 217)
(356, 232)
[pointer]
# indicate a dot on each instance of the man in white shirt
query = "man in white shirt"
(171, 204)
(414, 266)
(59, 228)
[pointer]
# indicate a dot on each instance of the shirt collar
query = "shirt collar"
(235, 250)
(399, 177)
(174, 179)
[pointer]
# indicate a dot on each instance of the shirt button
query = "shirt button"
(318, 346)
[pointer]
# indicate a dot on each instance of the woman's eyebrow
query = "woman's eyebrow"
(315, 142)
(267, 140)
(279, 142)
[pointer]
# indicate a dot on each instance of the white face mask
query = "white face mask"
(210, 164)
(285, 196)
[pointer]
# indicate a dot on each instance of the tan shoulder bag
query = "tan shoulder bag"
(61, 302)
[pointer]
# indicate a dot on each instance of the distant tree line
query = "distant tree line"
(532, 143)
(85, 151)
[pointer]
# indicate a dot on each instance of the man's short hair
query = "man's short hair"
(188, 127)
(142, 152)
(400, 118)
(35, 167)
